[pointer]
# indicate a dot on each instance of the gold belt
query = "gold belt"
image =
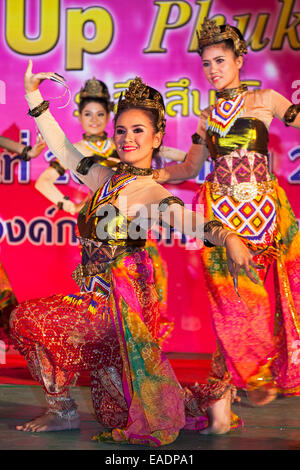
(90, 269)
(80, 272)
(243, 192)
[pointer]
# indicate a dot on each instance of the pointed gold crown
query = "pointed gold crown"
(137, 95)
(94, 88)
(210, 33)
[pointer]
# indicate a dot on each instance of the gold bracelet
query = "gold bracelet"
(208, 226)
(167, 201)
(291, 113)
(38, 110)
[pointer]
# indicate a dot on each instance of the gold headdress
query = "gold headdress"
(211, 33)
(138, 94)
(94, 88)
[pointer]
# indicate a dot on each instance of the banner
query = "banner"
(115, 41)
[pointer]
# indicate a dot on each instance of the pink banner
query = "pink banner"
(115, 41)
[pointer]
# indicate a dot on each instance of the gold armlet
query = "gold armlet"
(208, 226)
(38, 110)
(167, 201)
(291, 113)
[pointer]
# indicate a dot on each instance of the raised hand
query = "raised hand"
(32, 81)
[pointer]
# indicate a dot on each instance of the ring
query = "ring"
(60, 76)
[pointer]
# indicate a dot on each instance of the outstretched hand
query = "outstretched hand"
(239, 257)
(32, 81)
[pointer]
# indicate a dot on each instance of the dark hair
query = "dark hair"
(228, 43)
(93, 99)
(151, 112)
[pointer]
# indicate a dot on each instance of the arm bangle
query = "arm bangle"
(85, 165)
(290, 114)
(167, 201)
(197, 139)
(207, 228)
(24, 155)
(57, 166)
(60, 204)
(38, 110)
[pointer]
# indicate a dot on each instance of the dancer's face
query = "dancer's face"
(221, 67)
(135, 138)
(94, 118)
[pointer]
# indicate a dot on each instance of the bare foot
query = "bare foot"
(262, 396)
(51, 422)
(219, 416)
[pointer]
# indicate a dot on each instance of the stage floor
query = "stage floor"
(275, 426)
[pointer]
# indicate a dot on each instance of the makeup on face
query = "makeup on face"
(135, 138)
(221, 67)
(94, 118)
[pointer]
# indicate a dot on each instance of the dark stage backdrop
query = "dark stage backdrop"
(114, 41)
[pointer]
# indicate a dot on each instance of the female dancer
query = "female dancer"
(246, 198)
(110, 326)
(94, 110)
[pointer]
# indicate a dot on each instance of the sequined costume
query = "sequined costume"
(111, 326)
(245, 197)
(99, 150)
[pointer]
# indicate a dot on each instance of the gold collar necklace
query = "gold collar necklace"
(123, 167)
(95, 138)
(230, 93)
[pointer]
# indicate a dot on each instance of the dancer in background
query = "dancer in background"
(110, 327)
(255, 349)
(7, 297)
(94, 110)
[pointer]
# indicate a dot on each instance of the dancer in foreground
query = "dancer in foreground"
(110, 327)
(255, 349)
(94, 108)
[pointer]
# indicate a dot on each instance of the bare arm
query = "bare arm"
(45, 185)
(192, 223)
(11, 145)
(284, 110)
(194, 160)
(145, 201)
(170, 153)
(188, 169)
(16, 147)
